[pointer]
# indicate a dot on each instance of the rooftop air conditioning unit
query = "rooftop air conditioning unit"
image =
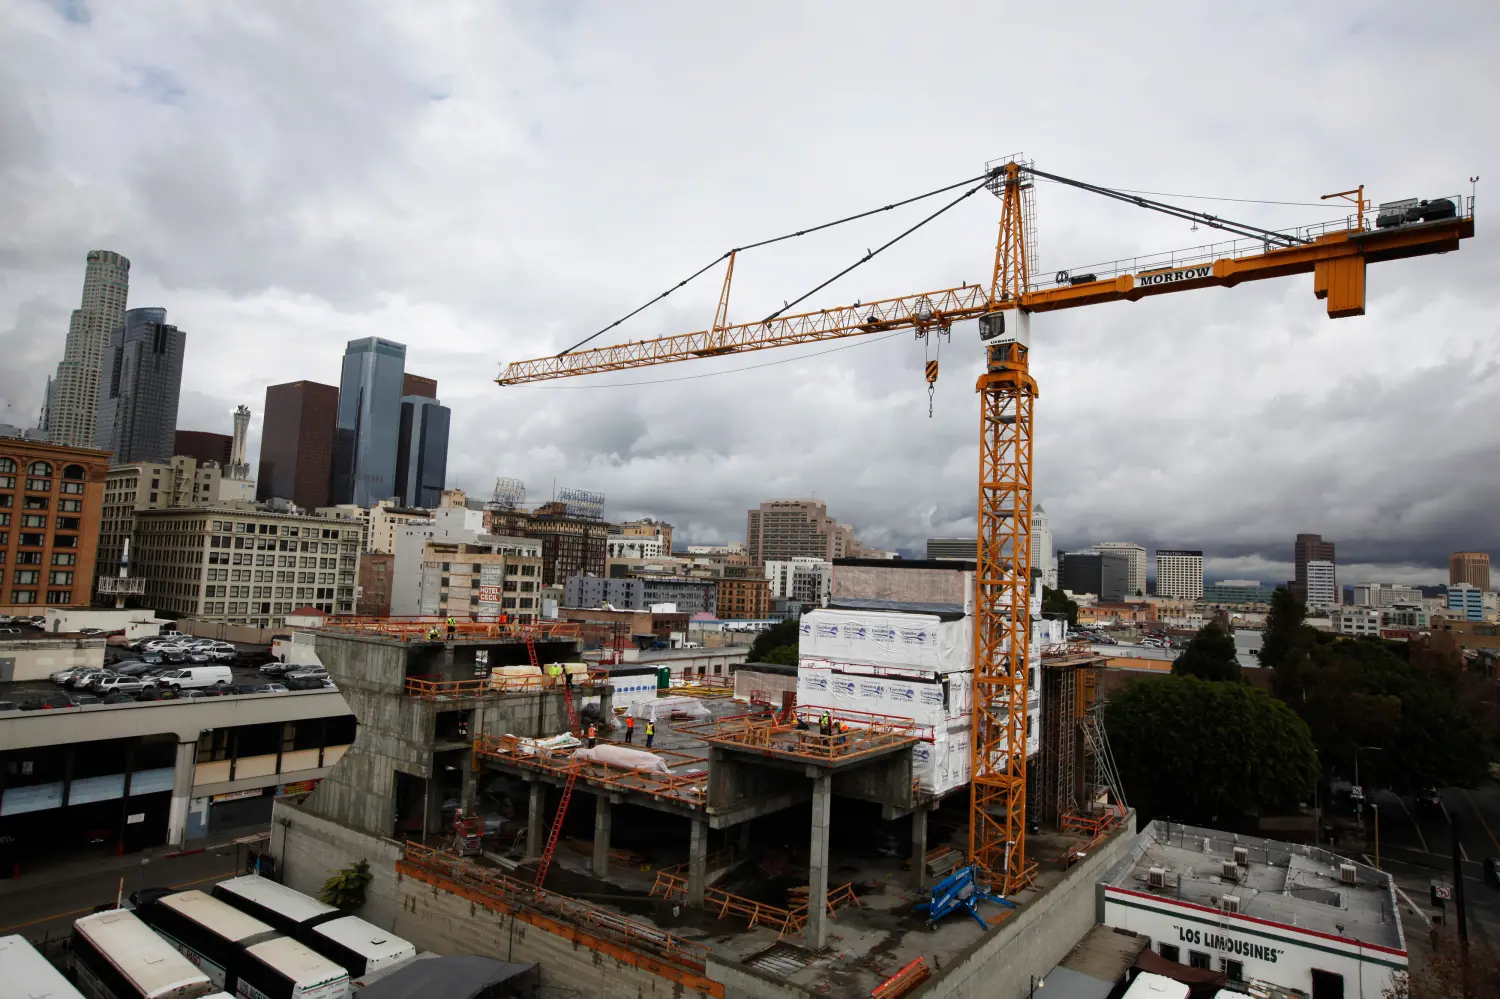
(1229, 903)
(1229, 871)
(1242, 856)
(1156, 877)
(1347, 873)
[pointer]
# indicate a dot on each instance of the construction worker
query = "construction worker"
(554, 671)
(567, 676)
(593, 735)
(452, 627)
(629, 729)
(825, 724)
(650, 732)
(432, 634)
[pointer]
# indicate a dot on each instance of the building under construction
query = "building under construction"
(753, 846)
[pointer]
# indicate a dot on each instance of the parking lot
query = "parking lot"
(244, 670)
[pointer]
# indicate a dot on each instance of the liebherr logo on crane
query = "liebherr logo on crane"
(1174, 277)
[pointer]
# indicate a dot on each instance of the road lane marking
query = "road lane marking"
(1413, 819)
(89, 908)
(1478, 814)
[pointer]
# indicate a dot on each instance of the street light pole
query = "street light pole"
(1376, 809)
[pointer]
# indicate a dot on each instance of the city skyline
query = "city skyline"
(167, 187)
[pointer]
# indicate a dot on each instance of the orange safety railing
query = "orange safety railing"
(416, 629)
(722, 903)
(690, 789)
(510, 892)
(430, 688)
(803, 737)
(703, 686)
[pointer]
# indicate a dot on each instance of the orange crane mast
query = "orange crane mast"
(1336, 254)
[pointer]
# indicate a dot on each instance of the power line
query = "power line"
(767, 242)
(729, 371)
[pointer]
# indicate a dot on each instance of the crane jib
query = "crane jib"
(1195, 273)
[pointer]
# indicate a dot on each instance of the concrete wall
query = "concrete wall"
(741, 982)
(446, 923)
(922, 586)
(219, 631)
(1001, 964)
(39, 658)
(308, 849)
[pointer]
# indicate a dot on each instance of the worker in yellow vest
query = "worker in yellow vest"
(650, 732)
(452, 627)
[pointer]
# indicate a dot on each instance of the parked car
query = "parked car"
(84, 678)
(216, 691)
(271, 688)
(108, 685)
(81, 699)
(91, 631)
(193, 676)
(63, 675)
(1429, 798)
(45, 702)
(306, 671)
(156, 694)
(7, 705)
(275, 668)
(133, 668)
(10, 631)
(118, 697)
(303, 682)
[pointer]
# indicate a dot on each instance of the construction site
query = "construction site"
(926, 804)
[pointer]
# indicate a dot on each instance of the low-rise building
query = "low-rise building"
(808, 581)
(1385, 594)
(482, 580)
(1466, 601)
(636, 546)
(373, 597)
(1355, 620)
(743, 598)
(245, 564)
(691, 596)
(384, 519)
(1263, 913)
(1237, 592)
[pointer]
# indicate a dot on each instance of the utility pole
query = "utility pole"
(1458, 883)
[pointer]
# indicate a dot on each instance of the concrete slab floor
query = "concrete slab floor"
(866, 944)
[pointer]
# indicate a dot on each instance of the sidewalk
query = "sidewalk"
(61, 871)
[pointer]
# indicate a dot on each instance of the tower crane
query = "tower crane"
(1336, 254)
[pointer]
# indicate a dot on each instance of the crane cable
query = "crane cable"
(777, 239)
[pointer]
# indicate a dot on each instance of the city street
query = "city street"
(1415, 846)
(44, 905)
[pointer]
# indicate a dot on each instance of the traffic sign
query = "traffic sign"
(1357, 792)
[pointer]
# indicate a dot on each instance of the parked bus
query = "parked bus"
(282, 968)
(280, 907)
(208, 932)
(358, 946)
(27, 973)
(116, 956)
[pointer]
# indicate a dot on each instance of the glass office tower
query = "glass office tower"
(369, 421)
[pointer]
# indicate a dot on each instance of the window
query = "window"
(60, 578)
(4, 520)
(39, 468)
(35, 503)
(1171, 953)
(33, 540)
(73, 488)
(28, 558)
(23, 596)
(1233, 970)
(59, 596)
(63, 541)
(7, 482)
(42, 485)
(73, 472)
(1197, 959)
(28, 577)
(69, 506)
(7, 464)
(33, 520)
(67, 523)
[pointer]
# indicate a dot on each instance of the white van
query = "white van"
(189, 677)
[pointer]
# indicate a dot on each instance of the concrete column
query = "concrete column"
(744, 848)
(817, 864)
(471, 789)
(535, 816)
(697, 862)
(919, 848)
(602, 819)
(182, 792)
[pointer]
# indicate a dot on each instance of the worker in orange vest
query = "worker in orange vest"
(593, 735)
(629, 728)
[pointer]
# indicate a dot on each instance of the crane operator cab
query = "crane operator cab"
(1005, 347)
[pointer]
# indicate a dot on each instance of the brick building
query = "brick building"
(744, 599)
(51, 499)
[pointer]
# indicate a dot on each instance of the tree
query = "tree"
(782, 655)
(1209, 656)
(1055, 604)
(1283, 627)
(345, 889)
(780, 634)
(1208, 752)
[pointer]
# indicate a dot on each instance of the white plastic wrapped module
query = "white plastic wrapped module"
(882, 638)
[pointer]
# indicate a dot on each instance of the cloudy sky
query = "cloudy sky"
(488, 182)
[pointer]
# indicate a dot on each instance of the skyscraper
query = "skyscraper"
(296, 443)
(73, 395)
(417, 385)
(1309, 548)
(1179, 573)
(142, 377)
(784, 529)
(422, 451)
(369, 421)
(1321, 586)
(1135, 558)
(1043, 559)
(1470, 567)
(203, 446)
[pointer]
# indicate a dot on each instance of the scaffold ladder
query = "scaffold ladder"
(557, 825)
(536, 664)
